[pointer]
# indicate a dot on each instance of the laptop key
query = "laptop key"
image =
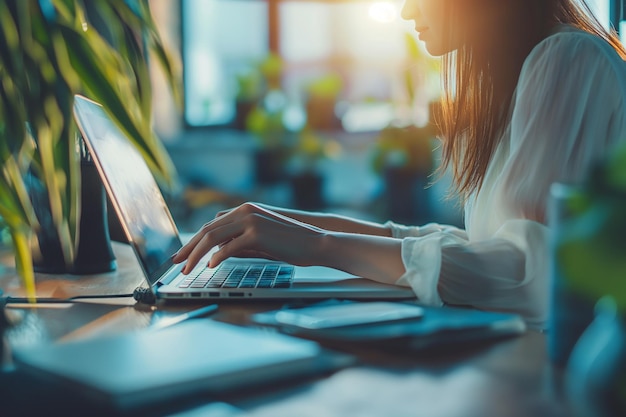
(186, 283)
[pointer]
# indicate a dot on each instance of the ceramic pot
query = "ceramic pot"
(308, 191)
(570, 313)
(406, 196)
(269, 165)
(595, 381)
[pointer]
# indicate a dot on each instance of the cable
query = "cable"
(140, 294)
(49, 300)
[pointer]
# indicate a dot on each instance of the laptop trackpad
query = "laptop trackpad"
(315, 274)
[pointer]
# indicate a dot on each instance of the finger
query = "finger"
(223, 212)
(211, 239)
(229, 217)
(243, 247)
(198, 251)
(183, 253)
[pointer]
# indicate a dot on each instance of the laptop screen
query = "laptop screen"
(132, 189)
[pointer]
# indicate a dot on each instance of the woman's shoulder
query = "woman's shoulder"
(573, 55)
(567, 43)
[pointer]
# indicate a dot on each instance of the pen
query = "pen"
(193, 314)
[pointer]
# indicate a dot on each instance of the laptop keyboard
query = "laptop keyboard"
(230, 275)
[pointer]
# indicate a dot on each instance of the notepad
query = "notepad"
(200, 356)
(430, 328)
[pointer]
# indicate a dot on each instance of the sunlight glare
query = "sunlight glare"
(383, 12)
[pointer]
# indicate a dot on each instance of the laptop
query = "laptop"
(151, 231)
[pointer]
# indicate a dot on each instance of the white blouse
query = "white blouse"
(569, 110)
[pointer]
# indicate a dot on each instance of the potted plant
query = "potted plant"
(250, 88)
(403, 157)
(266, 122)
(403, 151)
(50, 51)
(321, 99)
(589, 249)
(306, 177)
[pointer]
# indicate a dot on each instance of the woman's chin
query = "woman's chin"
(435, 49)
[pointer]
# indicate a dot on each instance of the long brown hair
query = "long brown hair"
(479, 86)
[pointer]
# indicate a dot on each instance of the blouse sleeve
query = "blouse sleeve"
(568, 111)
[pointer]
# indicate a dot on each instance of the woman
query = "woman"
(534, 94)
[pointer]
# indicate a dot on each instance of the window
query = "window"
(220, 38)
(361, 42)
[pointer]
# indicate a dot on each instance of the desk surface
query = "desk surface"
(508, 378)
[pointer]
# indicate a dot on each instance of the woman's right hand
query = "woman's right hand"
(253, 231)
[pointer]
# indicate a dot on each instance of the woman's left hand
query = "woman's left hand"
(253, 231)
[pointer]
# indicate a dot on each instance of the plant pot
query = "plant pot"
(406, 198)
(308, 191)
(242, 110)
(570, 313)
(269, 165)
(321, 113)
(595, 381)
(94, 253)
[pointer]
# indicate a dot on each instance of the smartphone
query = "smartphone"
(348, 314)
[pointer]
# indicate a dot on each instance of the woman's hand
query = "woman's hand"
(253, 231)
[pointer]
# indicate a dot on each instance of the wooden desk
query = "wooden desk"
(509, 378)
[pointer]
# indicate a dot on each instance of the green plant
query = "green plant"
(250, 85)
(310, 148)
(326, 87)
(408, 148)
(49, 52)
(266, 120)
(402, 144)
(321, 99)
(272, 70)
(591, 247)
(420, 66)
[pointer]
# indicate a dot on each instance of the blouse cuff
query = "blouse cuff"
(399, 231)
(422, 261)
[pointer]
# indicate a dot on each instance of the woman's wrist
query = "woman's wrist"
(369, 256)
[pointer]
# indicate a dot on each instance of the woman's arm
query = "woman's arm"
(506, 272)
(375, 257)
(252, 230)
(331, 222)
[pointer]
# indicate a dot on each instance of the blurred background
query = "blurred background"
(311, 104)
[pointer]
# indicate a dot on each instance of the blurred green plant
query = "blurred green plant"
(405, 147)
(272, 70)
(328, 86)
(250, 85)
(591, 249)
(322, 94)
(420, 67)
(266, 120)
(49, 52)
(310, 148)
